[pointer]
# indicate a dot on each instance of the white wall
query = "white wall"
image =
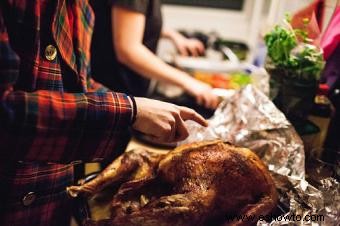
(236, 25)
(228, 23)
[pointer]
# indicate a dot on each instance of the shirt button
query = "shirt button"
(29, 198)
(50, 52)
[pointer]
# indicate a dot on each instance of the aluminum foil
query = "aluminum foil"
(308, 205)
(248, 118)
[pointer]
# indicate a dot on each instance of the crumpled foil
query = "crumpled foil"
(248, 118)
(309, 205)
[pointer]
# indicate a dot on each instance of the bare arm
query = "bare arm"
(128, 29)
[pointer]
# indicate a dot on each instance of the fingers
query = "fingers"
(200, 100)
(167, 131)
(215, 102)
(208, 101)
(191, 47)
(201, 48)
(196, 48)
(183, 50)
(211, 101)
(193, 50)
(173, 127)
(181, 130)
(189, 114)
(173, 131)
(176, 130)
(164, 122)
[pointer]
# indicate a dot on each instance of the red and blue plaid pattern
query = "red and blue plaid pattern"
(47, 181)
(50, 111)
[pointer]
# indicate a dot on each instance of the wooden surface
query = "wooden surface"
(134, 143)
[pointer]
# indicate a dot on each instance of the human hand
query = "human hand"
(187, 46)
(203, 93)
(163, 121)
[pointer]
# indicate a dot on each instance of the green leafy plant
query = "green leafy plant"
(291, 51)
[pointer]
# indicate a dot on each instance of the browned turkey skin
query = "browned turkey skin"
(195, 184)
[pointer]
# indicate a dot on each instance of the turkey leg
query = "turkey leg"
(132, 165)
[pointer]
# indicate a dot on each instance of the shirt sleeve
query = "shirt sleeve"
(54, 126)
(140, 6)
(94, 86)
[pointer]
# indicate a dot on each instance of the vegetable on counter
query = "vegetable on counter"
(235, 80)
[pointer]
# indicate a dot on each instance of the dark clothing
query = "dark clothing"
(331, 74)
(104, 65)
(330, 43)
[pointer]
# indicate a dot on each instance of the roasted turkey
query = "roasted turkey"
(195, 184)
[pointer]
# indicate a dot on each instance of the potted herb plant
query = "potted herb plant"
(294, 65)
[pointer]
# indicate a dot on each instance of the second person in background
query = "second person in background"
(125, 39)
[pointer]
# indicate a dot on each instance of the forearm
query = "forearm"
(146, 63)
(128, 29)
(168, 33)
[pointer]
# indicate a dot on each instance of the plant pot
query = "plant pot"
(293, 96)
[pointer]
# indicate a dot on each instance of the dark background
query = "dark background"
(224, 4)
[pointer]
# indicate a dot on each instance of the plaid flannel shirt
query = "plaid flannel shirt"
(49, 116)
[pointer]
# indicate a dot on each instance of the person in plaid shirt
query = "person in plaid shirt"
(52, 114)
